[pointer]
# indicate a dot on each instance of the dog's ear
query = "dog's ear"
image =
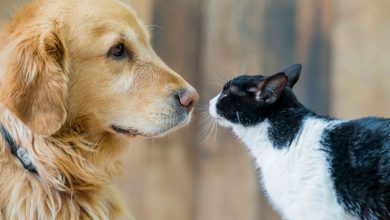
(34, 82)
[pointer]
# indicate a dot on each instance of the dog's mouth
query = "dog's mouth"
(131, 132)
(127, 131)
(160, 130)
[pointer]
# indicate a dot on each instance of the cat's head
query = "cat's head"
(249, 100)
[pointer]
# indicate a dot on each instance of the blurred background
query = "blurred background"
(344, 47)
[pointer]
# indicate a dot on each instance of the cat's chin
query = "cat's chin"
(220, 120)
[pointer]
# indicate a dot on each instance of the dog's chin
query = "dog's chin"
(179, 124)
(175, 125)
(159, 131)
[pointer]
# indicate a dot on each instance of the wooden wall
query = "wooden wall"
(361, 59)
(344, 46)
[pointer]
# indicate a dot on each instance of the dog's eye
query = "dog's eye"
(118, 51)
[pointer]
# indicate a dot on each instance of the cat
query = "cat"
(313, 167)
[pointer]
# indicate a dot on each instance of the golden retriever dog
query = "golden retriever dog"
(78, 81)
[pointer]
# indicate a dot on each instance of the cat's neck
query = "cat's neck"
(281, 125)
(286, 120)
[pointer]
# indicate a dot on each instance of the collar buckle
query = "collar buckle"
(19, 152)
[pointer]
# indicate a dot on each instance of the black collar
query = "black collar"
(19, 152)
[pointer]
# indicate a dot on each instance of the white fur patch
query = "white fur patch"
(296, 178)
(213, 107)
(213, 112)
(123, 82)
(131, 35)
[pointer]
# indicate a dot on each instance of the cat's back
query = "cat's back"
(359, 158)
(361, 138)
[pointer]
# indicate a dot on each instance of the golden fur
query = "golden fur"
(60, 95)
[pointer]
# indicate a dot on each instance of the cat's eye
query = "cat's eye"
(118, 51)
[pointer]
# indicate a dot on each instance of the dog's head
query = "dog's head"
(92, 60)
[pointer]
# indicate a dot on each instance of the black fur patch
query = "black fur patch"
(238, 105)
(359, 157)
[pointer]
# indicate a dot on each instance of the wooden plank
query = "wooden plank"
(232, 44)
(279, 35)
(361, 67)
(313, 50)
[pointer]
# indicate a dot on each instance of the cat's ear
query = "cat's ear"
(292, 72)
(270, 89)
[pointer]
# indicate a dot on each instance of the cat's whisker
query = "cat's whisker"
(205, 114)
(204, 111)
(204, 120)
(238, 117)
(235, 69)
(244, 70)
(224, 78)
(216, 130)
(208, 129)
(219, 80)
(208, 136)
(204, 135)
(202, 108)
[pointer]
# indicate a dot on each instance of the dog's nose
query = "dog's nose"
(188, 99)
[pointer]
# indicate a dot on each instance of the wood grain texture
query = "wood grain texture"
(361, 54)
(313, 49)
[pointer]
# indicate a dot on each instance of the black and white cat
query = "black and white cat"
(313, 167)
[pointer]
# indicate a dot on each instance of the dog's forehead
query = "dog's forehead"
(131, 34)
(114, 32)
(108, 17)
(104, 10)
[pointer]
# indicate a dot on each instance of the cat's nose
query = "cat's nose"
(188, 99)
